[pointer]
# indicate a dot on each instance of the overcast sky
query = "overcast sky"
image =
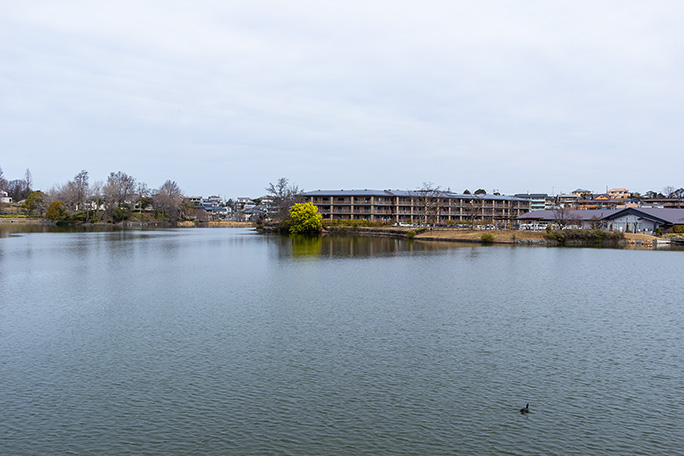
(226, 96)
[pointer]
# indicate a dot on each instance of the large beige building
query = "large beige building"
(401, 206)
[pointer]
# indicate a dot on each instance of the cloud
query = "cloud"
(376, 94)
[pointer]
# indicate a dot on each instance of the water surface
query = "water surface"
(223, 341)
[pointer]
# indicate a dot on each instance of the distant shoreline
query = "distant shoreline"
(505, 237)
(20, 220)
(501, 237)
(128, 223)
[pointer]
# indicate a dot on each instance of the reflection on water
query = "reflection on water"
(224, 341)
(303, 246)
(9, 229)
(334, 246)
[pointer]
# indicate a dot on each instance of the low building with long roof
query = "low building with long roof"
(632, 220)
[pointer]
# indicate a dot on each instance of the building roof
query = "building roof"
(569, 214)
(365, 192)
(666, 216)
(669, 216)
(531, 195)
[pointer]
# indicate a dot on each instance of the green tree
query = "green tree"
(57, 211)
(305, 219)
(35, 201)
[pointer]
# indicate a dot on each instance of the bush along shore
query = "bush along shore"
(597, 238)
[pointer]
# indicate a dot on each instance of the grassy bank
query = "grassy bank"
(491, 236)
(20, 219)
(389, 231)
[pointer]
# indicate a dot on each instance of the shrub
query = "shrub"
(121, 213)
(283, 227)
(487, 238)
(410, 234)
(305, 219)
(57, 212)
(587, 237)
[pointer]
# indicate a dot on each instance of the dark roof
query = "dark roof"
(667, 216)
(670, 216)
(364, 192)
(570, 214)
(531, 195)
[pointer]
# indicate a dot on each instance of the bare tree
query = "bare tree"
(75, 194)
(3, 181)
(284, 197)
(474, 207)
(512, 217)
(565, 217)
(17, 190)
(65, 193)
(97, 198)
(668, 191)
(81, 189)
(598, 223)
(28, 181)
(117, 192)
(168, 199)
(427, 198)
(144, 193)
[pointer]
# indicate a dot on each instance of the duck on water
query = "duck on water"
(525, 409)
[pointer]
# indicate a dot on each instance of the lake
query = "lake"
(225, 341)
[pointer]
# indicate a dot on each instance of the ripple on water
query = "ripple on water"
(237, 348)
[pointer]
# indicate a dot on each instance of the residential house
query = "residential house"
(598, 201)
(567, 200)
(582, 193)
(243, 203)
(662, 202)
(211, 208)
(618, 193)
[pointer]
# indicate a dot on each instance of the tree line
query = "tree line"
(117, 198)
